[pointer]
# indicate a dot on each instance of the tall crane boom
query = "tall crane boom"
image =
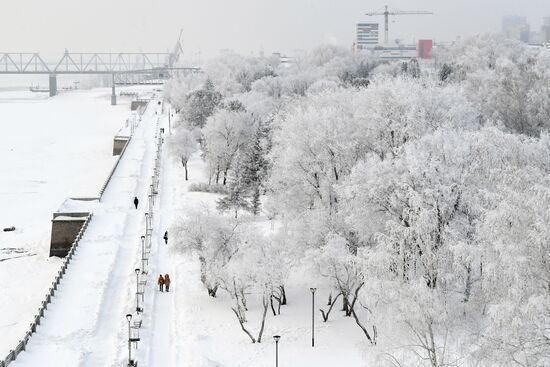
(387, 12)
(177, 52)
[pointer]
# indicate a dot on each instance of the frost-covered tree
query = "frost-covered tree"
(345, 271)
(254, 169)
(214, 239)
(184, 145)
(225, 133)
(236, 198)
(177, 89)
(420, 197)
(434, 204)
(201, 104)
(256, 274)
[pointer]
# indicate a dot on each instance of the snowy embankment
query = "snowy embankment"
(190, 328)
(50, 149)
(84, 324)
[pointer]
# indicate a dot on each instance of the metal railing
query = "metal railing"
(22, 345)
(147, 238)
(111, 174)
(106, 183)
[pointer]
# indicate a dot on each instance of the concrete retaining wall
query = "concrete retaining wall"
(65, 228)
(119, 143)
(137, 104)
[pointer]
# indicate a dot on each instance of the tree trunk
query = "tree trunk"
(225, 175)
(283, 294)
(263, 320)
(345, 305)
(256, 201)
(272, 307)
(351, 305)
(243, 299)
(212, 291)
(372, 339)
(326, 315)
(469, 282)
(241, 322)
(278, 298)
(186, 177)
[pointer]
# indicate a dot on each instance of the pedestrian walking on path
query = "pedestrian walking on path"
(160, 282)
(165, 237)
(167, 282)
(136, 201)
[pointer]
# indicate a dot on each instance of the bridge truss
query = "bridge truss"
(126, 68)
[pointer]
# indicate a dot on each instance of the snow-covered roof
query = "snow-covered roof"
(78, 205)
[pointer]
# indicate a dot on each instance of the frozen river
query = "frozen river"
(50, 149)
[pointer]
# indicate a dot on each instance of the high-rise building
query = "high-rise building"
(367, 35)
(516, 27)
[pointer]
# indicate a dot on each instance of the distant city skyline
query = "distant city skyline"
(246, 26)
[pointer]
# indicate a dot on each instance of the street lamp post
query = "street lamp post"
(169, 123)
(142, 254)
(130, 361)
(312, 316)
(276, 338)
(146, 224)
(138, 310)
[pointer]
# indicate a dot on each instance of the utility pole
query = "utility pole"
(113, 94)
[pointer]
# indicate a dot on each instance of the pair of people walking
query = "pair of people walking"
(164, 282)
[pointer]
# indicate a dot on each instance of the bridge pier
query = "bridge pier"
(53, 84)
(113, 94)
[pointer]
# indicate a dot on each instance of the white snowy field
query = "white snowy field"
(50, 149)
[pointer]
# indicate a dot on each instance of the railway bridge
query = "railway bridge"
(125, 68)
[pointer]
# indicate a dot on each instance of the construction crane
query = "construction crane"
(177, 52)
(387, 12)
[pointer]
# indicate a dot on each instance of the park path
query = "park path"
(160, 341)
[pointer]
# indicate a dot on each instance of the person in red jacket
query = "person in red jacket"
(161, 282)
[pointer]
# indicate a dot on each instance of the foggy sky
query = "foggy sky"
(246, 26)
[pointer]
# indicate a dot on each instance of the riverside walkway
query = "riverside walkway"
(85, 323)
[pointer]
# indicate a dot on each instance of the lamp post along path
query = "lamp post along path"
(276, 338)
(130, 362)
(142, 254)
(138, 309)
(312, 316)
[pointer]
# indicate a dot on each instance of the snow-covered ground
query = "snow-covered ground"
(50, 149)
(85, 324)
(202, 331)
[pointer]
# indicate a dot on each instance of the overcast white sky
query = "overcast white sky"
(246, 26)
